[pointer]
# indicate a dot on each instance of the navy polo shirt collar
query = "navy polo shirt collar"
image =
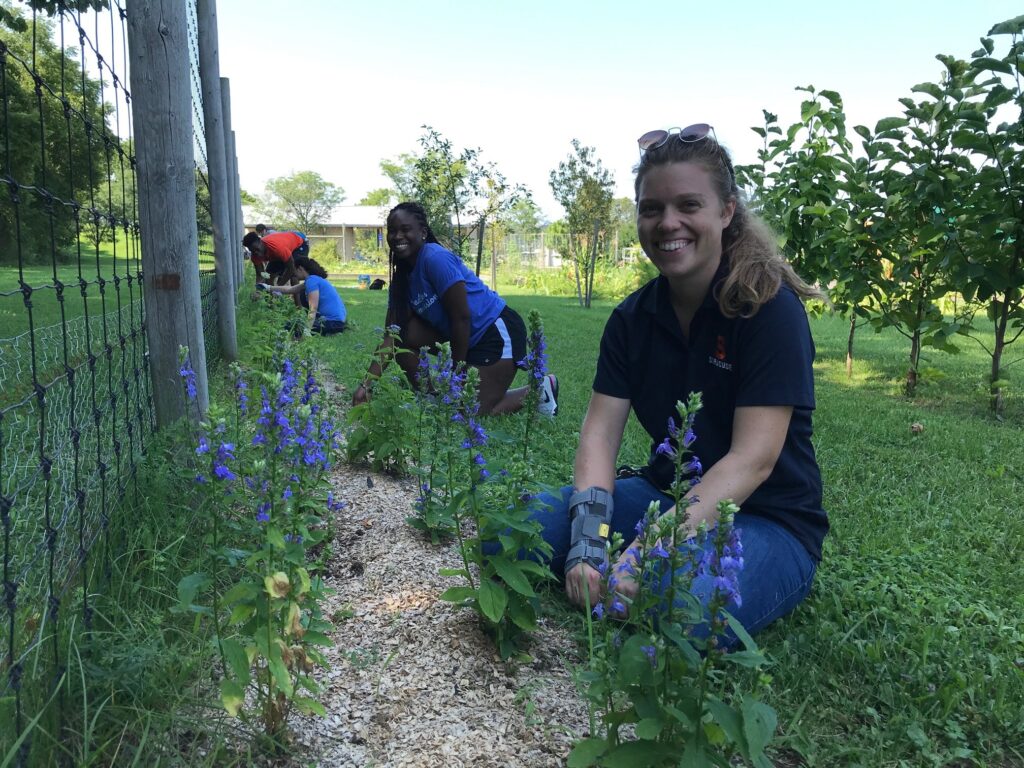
(659, 303)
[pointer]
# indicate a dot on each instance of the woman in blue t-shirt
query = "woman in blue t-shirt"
(327, 313)
(434, 297)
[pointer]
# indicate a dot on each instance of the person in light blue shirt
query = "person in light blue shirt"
(433, 298)
(327, 313)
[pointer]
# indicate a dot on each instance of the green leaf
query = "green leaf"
(730, 721)
(634, 754)
(237, 660)
(275, 537)
(649, 728)
(586, 753)
(232, 696)
(492, 599)
(890, 123)
(748, 659)
(695, 756)
(741, 632)
(189, 587)
(512, 574)
(931, 89)
(458, 594)
(759, 723)
(454, 572)
(308, 706)
(634, 664)
(279, 670)
(239, 592)
(522, 612)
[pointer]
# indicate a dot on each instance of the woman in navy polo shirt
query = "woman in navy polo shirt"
(723, 318)
(434, 297)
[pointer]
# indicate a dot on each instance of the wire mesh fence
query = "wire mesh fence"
(76, 409)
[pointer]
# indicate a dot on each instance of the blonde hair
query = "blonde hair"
(756, 267)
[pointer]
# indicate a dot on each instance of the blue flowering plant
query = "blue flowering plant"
(658, 680)
(440, 439)
(503, 552)
(259, 469)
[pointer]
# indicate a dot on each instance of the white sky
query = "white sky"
(336, 87)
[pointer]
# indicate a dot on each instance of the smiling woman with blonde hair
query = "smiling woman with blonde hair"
(723, 318)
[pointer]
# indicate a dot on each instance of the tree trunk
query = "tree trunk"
(592, 263)
(480, 246)
(849, 346)
(995, 391)
(574, 250)
(915, 356)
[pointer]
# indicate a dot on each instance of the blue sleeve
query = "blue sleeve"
(442, 269)
(777, 355)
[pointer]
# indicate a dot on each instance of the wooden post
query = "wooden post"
(237, 225)
(220, 194)
(162, 110)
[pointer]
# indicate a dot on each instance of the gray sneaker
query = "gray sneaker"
(548, 404)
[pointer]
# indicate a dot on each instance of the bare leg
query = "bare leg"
(495, 396)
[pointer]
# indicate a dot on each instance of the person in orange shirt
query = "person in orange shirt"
(273, 254)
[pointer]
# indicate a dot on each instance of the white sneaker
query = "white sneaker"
(548, 404)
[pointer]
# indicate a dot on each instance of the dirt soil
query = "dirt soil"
(413, 681)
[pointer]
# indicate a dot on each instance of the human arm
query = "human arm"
(385, 350)
(600, 438)
(289, 289)
(456, 307)
(313, 297)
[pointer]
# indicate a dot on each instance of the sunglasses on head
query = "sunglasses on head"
(655, 139)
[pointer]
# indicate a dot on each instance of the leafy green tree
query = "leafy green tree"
(623, 222)
(50, 155)
(583, 187)
(821, 200)
(459, 191)
(523, 217)
(301, 201)
(988, 208)
(921, 174)
(381, 197)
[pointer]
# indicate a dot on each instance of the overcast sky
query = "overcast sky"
(335, 87)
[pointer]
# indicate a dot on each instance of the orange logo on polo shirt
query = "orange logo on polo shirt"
(718, 359)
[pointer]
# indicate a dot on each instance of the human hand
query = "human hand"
(623, 583)
(583, 585)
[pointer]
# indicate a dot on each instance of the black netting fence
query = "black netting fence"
(76, 407)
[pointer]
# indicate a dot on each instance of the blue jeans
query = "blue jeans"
(777, 572)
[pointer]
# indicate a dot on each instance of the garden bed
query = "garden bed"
(413, 681)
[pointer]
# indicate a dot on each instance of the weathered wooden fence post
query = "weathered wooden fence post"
(220, 185)
(237, 225)
(162, 110)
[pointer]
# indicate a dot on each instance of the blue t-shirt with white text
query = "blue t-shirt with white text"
(438, 269)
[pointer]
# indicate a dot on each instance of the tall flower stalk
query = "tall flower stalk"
(267, 483)
(655, 659)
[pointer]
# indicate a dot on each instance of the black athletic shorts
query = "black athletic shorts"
(504, 340)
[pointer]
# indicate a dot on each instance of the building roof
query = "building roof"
(366, 216)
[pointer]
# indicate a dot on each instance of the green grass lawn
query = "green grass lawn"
(910, 650)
